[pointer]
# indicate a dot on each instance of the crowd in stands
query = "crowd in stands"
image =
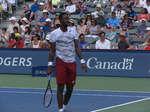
(99, 24)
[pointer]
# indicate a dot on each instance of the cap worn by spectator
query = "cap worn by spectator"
(45, 11)
(41, 3)
(24, 19)
(35, 0)
(48, 20)
(98, 5)
(57, 14)
(17, 34)
(122, 35)
(118, 6)
(143, 20)
(12, 18)
(71, 21)
(148, 28)
(109, 27)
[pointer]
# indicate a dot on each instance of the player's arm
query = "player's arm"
(78, 51)
(51, 57)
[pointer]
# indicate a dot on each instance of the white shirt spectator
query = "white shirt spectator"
(142, 2)
(102, 45)
(147, 7)
(4, 4)
(71, 8)
(12, 1)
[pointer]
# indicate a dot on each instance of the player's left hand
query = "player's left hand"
(84, 67)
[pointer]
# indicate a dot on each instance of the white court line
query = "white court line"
(120, 105)
(81, 90)
(24, 92)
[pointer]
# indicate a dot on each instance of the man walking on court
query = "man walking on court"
(64, 41)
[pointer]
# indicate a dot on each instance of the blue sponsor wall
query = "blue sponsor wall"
(116, 63)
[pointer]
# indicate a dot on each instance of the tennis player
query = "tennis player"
(64, 41)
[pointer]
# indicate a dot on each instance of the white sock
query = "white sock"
(60, 110)
(64, 106)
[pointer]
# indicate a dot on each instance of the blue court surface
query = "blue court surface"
(31, 100)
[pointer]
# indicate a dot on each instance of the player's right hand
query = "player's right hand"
(49, 70)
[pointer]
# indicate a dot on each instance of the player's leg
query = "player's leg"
(60, 89)
(69, 89)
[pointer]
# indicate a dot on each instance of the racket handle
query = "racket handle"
(49, 77)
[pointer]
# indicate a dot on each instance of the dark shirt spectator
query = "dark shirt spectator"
(47, 28)
(123, 43)
(101, 20)
(131, 13)
(28, 13)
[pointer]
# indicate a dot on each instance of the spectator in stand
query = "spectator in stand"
(16, 43)
(88, 19)
(11, 3)
(4, 37)
(22, 15)
(144, 15)
(71, 24)
(141, 30)
(94, 29)
(36, 41)
(4, 8)
(49, 7)
(141, 3)
(126, 22)
(29, 14)
(123, 43)
(38, 31)
(46, 44)
(71, 8)
(112, 6)
(35, 7)
(56, 21)
(103, 43)
(111, 36)
(101, 20)
(15, 30)
(147, 35)
(26, 35)
(126, 3)
(131, 13)
(124, 32)
(82, 43)
(41, 21)
(47, 28)
(56, 3)
(81, 28)
(113, 21)
(119, 12)
(39, 13)
(98, 10)
(24, 24)
(81, 8)
(147, 6)
(13, 22)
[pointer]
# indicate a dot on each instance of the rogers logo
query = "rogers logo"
(16, 61)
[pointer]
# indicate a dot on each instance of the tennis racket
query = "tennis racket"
(48, 94)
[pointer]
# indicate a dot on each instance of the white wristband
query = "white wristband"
(50, 63)
(82, 61)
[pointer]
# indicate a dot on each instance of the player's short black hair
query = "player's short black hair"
(61, 15)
